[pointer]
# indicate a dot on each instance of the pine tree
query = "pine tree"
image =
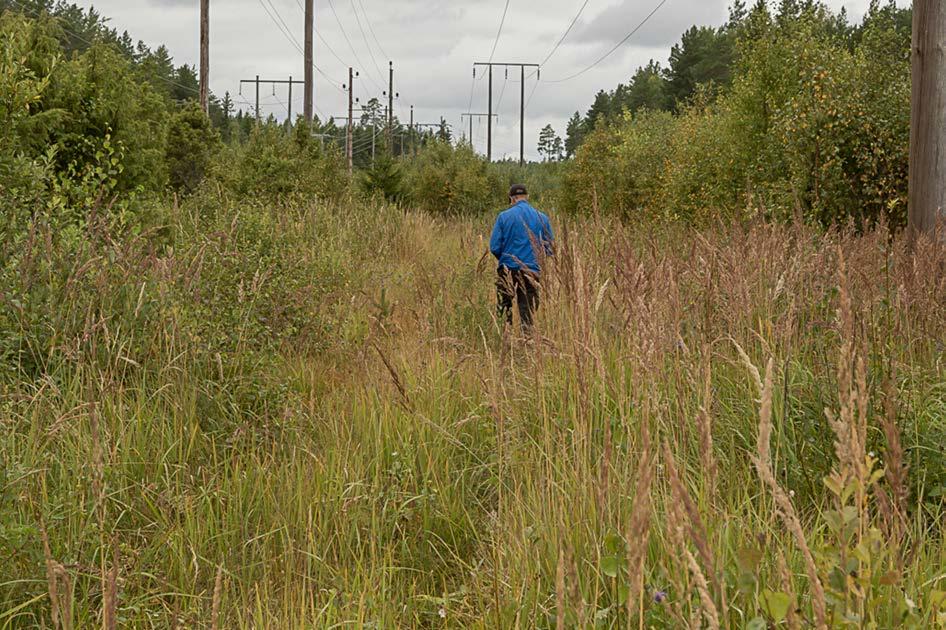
(737, 14)
(444, 133)
(558, 148)
(573, 135)
(600, 109)
(704, 55)
(546, 142)
(648, 89)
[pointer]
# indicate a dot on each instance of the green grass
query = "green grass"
(317, 403)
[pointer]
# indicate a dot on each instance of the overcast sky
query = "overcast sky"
(433, 44)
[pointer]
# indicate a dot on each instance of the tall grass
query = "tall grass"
(307, 416)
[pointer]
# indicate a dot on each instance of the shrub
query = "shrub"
(273, 164)
(620, 167)
(191, 142)
(444, 179)
(543, 180)
(384, 178)
(816, 123)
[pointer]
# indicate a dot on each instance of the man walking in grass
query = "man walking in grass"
(522, 238)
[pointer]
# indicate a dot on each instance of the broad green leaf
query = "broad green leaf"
(833, 519)
(757, 624)
(614, 544)
(610, 566)
(622, 593)
(776, 604)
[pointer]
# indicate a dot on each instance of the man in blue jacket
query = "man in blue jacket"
(522, 238)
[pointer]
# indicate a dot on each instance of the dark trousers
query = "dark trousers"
(521, 286)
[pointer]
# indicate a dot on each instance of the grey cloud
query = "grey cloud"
(663, 29)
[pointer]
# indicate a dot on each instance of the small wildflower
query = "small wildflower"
(660, 597)
(442, 612)
(791, 493)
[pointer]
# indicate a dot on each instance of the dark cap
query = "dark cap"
(517, 190)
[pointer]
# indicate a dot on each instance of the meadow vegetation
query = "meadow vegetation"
(239, 389)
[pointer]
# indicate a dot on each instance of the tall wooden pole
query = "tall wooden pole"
(489, 119)
(309, 61)
(351, 121)
(522, 116)
(391, 106)
(204, 54)
(928, 122)
(257, 100)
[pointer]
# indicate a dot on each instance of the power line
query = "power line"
(567, 31)
(292, 40)
(616, 46)
(371, 29)
(348, 40)
(285, 29)
(502, 91)
(499, 32)
(318, 33)
(531, 94)
(354, 10)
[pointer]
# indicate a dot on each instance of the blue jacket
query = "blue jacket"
(515, 232)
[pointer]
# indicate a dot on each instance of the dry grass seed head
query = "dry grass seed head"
(786, 510)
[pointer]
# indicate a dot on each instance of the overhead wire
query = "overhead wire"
(565, 34)
(371, 29)
(285, 27)
(531, 94)
(292, 40)
(350, 46)
(364, 37)
(499, 32)
(616, 46)
(318, 33)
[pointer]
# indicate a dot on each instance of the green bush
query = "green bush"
(384, 178)
(816, 123)
(542, 179)
(620, 167)
(272, 164)
(444, 179)
(191, 143)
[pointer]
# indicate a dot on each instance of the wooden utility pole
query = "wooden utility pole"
(413, 148)
(471, 116)
(928, 121)
(309, 61)
(289, 104)
(204, 55)
(391, 106)
(522, 108)
(274, 83)
(489, 119)
(522, 116)
(351, 121)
